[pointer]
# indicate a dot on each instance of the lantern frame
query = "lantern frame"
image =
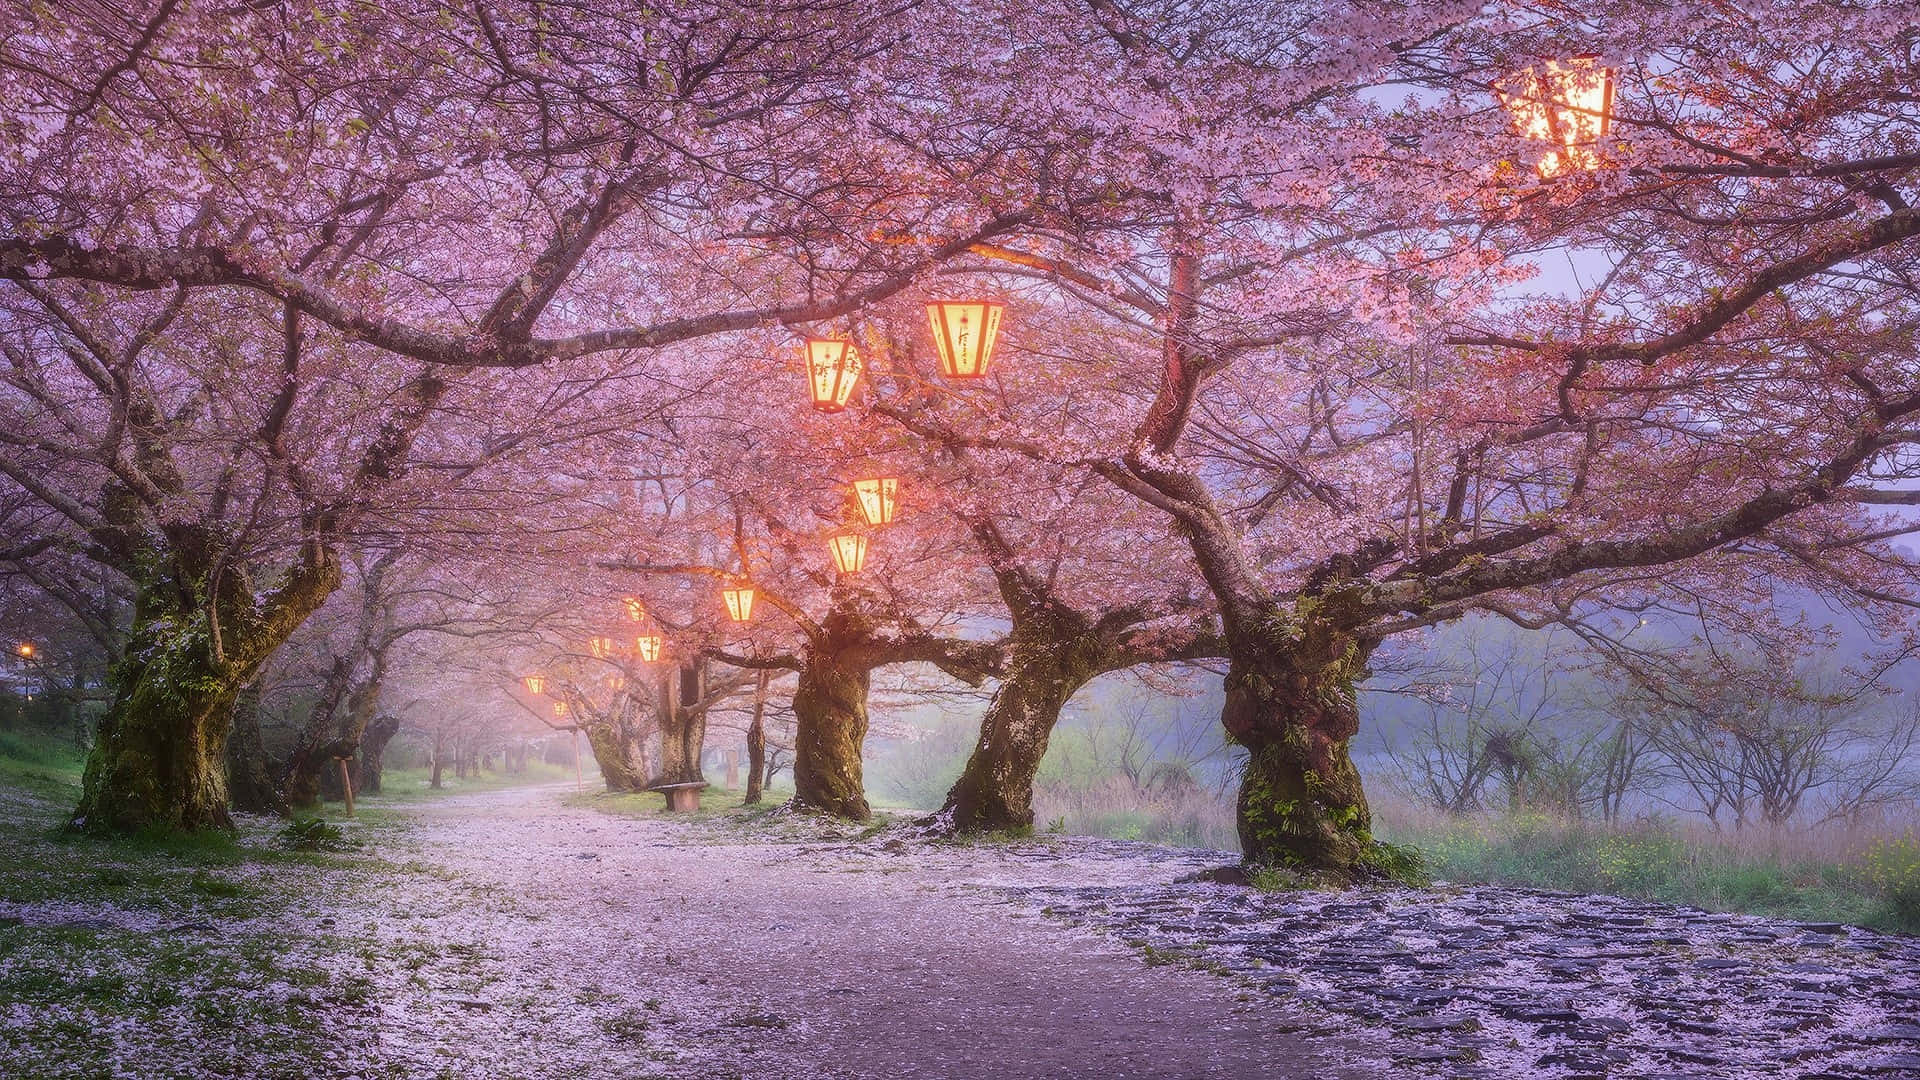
(876, 496)
(636, 610)
(739, 600)
(965, 349)
(600, 647)
(833, 372)
(849, 550)
(560, 709)
(647, 647)
(1568, 103)
(536, 684)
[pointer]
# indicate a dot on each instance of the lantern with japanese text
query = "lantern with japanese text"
(600, 647)
(964, 332)
(739, 599)
(833, 370)
(636, 610)
(849, 551)
(648, 647)
(559, 708)
(876, 498)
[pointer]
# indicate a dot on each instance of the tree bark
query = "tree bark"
(373, 747)
(613, 752)
(757, 744)
(1290, 701)
(250, 783)
(1045, 669)
(830, 724)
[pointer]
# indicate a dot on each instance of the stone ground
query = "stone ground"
(509, 934)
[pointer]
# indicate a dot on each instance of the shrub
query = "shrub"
(1893, 871)
(314, 834)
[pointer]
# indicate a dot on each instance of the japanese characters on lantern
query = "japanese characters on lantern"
(648, 647)
(739, 600)
(876, 497)
(833, 370)
(849, 551)
(1569, 103)
(536, 684)
(559, 709)
(964, 332)
(600, 647)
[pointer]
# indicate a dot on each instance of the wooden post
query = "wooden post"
(577, 782)
(346, 783)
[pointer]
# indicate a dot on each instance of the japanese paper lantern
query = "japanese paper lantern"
(849, 551)
(616, 682)
(559, 708)
(964, 332)
(636, 610)
(1569, 103)
(536, 684)
(739, 600)
(600, 647)
(833, 370)
(876, 498)
(648, 646)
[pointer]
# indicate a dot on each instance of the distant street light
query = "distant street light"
(1569, 103)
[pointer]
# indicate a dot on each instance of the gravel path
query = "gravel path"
(561, 942)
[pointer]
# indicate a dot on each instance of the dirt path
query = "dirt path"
(558, 941)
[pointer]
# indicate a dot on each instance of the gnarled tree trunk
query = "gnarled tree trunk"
(1290, 701)
(613, 752)
(1048, 664)
(830, 724)
(160, 760)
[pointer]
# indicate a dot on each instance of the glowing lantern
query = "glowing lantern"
(636, 610)
(25, 649)
(739, 600)
(964, 331)
(876, 498)
(849, 551)
(536, 684)
(559, 708)
(616, 682)
(600, 647)
(1569, 103)
(648, 646)
(833, 370)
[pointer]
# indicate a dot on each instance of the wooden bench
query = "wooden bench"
(681, 797)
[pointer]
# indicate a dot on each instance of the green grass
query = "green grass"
(404, 785)
(206, 981)
(1660, 863)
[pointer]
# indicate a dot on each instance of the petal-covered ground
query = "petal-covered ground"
(519, 934)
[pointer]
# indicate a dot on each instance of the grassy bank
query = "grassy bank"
(1833, 876)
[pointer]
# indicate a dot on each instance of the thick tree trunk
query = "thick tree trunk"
(683, 725)
(613, 752)
(373, 747)
(1301, 802)
(250, 783)
(160, 761)
(995, 790)
(757, 744)
(830, 718)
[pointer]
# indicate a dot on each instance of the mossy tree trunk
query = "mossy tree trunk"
(830, 725)
(160, 760)
(612, 748)
(1290, 702)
